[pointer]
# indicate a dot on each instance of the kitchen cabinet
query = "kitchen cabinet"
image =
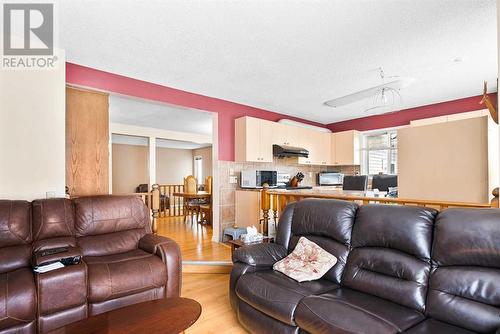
(286, 135)
(319, 146)
(253, 140)
(247, 208)
(345, 148)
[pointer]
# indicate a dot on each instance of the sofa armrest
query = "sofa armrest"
(39, 258)
(150, 242)
(263, 254)
(169, 252)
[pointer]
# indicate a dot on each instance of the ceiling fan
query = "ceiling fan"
(384, 95)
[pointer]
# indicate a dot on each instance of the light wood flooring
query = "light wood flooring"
(212, 292)
(195, 240)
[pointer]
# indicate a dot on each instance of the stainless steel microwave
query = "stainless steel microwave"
(255, 178)
(330, 179)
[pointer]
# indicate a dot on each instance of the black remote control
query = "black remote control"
(54, 251)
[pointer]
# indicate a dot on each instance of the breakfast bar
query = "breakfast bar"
(273, 201)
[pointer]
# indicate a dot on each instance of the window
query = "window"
(198, 169)
(380, 153)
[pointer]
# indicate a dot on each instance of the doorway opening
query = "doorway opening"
(157, 144)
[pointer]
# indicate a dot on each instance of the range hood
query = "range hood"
(282, 151)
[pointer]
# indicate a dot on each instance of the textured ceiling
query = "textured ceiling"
(132, 111)
(289, 56)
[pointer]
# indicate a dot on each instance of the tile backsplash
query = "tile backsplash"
(287, 165)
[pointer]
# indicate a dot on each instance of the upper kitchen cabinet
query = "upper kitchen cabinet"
(253, 140)
(319, 146)
(286, 135)
(345, 148)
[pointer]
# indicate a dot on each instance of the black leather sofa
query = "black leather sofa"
(400, 269)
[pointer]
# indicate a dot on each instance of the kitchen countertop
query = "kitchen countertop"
(328, 191)
(321, 189)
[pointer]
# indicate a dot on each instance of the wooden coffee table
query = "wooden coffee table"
(167, 315)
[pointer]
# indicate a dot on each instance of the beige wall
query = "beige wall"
(32, 132)
(130, 167)
(446, 161)
(206, 155)
(173, 165)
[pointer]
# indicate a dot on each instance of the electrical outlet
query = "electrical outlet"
(231, 171)
(233, 179)
(50, 194)
(310, 175)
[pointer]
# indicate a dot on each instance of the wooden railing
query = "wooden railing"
(170, 205)
(152, 201)
(273, 203)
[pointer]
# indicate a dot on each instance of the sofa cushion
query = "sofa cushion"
(464, 289)
(110, 224)
(255, 321)
(53, 218)
(328, 223)
(53, 223)
(119, 275)
(17, 298)
(276, 295)
(106, 214)
(15, 235)
(347, 311)
(391, 253)
(307, 262)
(433, 326)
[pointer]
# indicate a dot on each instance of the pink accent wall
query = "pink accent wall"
(227, 111)
(404, 117)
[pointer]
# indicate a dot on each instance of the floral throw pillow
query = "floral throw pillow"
(307, 262)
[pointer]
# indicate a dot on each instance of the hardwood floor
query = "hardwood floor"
(194, 240)
(212, 292)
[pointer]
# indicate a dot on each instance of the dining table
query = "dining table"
(199, 195)
(196, 195)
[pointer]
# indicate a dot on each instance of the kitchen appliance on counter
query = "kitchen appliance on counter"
(256, 178)
(330, 179)
(284, 182)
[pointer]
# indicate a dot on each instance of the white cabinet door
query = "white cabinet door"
(324, 149)
(307, 141)
(345, 148)
(266, 135)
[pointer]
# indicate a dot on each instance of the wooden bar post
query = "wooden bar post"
(275, 210)
(265, 205)
(155, 197)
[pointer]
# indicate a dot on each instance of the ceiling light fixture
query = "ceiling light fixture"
(386, 96)
(381, 96)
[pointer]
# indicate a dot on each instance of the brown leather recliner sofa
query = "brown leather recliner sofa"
(400, 269)
(123, 262)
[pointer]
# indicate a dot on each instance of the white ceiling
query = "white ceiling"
(289, 56)
(165, 143)
(150, 114)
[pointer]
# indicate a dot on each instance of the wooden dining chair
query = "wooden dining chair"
(208, 184)
(206, 207)
(191, 207)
